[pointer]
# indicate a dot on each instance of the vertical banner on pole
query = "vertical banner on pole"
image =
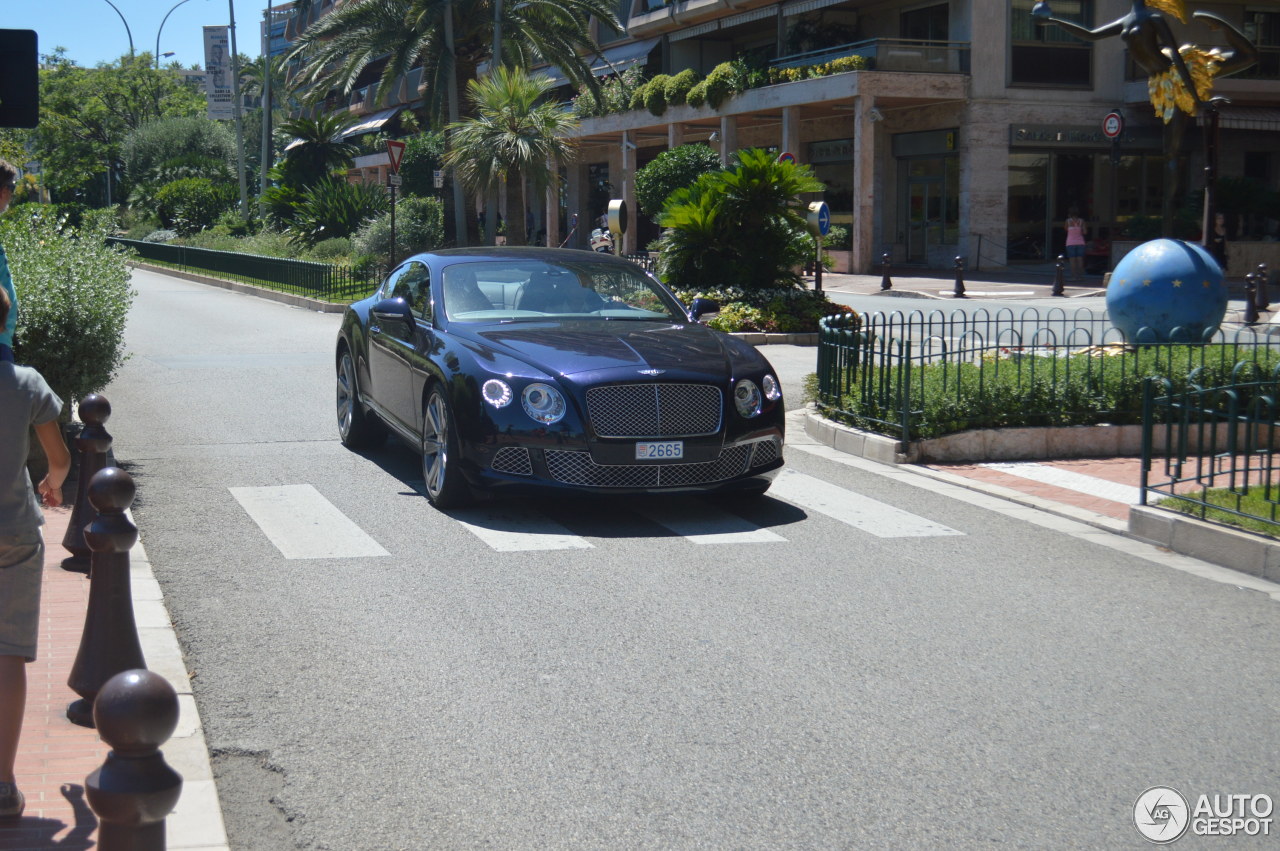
(217, 73)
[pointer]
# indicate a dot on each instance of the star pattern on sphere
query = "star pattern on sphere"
(1123, 281)
(1177, 283)
(1146, 282)
(1206, 285)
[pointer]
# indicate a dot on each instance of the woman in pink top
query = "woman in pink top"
(1075, 243)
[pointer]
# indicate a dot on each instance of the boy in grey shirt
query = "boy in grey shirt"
(26, 401)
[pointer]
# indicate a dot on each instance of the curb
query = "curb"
(1246, 552)
(249, 289)
(196, 821)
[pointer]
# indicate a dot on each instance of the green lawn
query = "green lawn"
(1253, 503)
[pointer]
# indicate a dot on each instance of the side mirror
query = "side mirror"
(392, 310)
(703, 307)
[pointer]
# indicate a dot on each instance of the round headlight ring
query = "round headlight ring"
(496, 392)
(746, 398)
(772, 389)
(543, 403)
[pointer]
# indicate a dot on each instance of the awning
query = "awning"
(617, 59)
(372, 122)
(613, 60)
(1247, 117)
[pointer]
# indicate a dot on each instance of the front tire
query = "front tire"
(441, 453)
(357, 428)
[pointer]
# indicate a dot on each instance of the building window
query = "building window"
(1049, 56)
(928, 24)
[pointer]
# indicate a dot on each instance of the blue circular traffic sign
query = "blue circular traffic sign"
(819, 217)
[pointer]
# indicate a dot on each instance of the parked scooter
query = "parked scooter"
(601, 240)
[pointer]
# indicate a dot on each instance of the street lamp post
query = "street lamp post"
(127, 31)
(161, 29)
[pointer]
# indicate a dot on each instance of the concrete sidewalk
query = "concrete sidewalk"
(55, 756)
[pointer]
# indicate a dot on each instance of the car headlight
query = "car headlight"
(496, 392)
(543, 403)
(746, 397)
(772, 389)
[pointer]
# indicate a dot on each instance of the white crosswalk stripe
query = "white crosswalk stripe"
(1091, 485)
(510, 529)
(301, 523)
(861, 512)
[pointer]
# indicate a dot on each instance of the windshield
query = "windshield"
(497, 291)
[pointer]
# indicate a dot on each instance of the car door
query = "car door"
(425, 342)
(391, 341)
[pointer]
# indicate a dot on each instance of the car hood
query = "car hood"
(571, 348)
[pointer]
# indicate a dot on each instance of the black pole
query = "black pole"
(1250, 299)
(392, 187)
(1058, 287)
(817, 263)
(959, 290)
(885, 283)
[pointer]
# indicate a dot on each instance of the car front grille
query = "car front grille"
(577, 468)
(655, 410)
(514, 460)
(766, 451)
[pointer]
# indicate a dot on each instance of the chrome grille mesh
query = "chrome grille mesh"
(577, 468)
(514, 460)
(655, 410)
(765, 452)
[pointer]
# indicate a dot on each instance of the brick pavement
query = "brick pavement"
(55, 755)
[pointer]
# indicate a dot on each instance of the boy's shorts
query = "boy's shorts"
(21, 571)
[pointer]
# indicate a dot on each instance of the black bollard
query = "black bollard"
(959, 290)
(109, 642)
(1261, 296)
(92, 446)
(885, 283)
(1250, 299)
(134, 789)
(1059, 288)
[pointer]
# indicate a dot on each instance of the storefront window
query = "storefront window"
(930, 188)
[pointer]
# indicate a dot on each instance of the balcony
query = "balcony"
(890, 54)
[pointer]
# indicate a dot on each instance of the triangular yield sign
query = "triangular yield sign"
(395, 150)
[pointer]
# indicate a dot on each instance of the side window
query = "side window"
(420, 291)
(392, 287)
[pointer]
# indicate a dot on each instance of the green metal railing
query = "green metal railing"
(920, 375)
(1210, 451)
(322, 281)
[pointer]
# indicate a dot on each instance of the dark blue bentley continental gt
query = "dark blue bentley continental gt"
(555, 369)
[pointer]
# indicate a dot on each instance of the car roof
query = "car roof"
(516, 252)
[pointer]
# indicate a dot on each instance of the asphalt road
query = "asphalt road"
(862, 659)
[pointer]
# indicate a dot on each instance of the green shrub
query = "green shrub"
(615, 94)
(655, 94)
(1014, 388)
(423, 155)
(838, 238)
(638, 96)
(784, 310)
(331, 249)
(677, 87)
(74, 296)
(334, 207)
(419, 227)
(161, 235)
(722, 83)
(193, 203)
(697, 95)
(669, 171)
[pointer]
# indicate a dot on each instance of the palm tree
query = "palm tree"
(514, 136)
(317, 150)
(409, 33)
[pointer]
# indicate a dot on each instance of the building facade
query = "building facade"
(968, 131)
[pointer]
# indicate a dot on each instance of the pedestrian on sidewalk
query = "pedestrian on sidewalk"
(27, 401)
(1076, 230)
(8, 183)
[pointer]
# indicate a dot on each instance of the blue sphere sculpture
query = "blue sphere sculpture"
(1167, 291)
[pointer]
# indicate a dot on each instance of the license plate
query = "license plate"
(652, 450)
